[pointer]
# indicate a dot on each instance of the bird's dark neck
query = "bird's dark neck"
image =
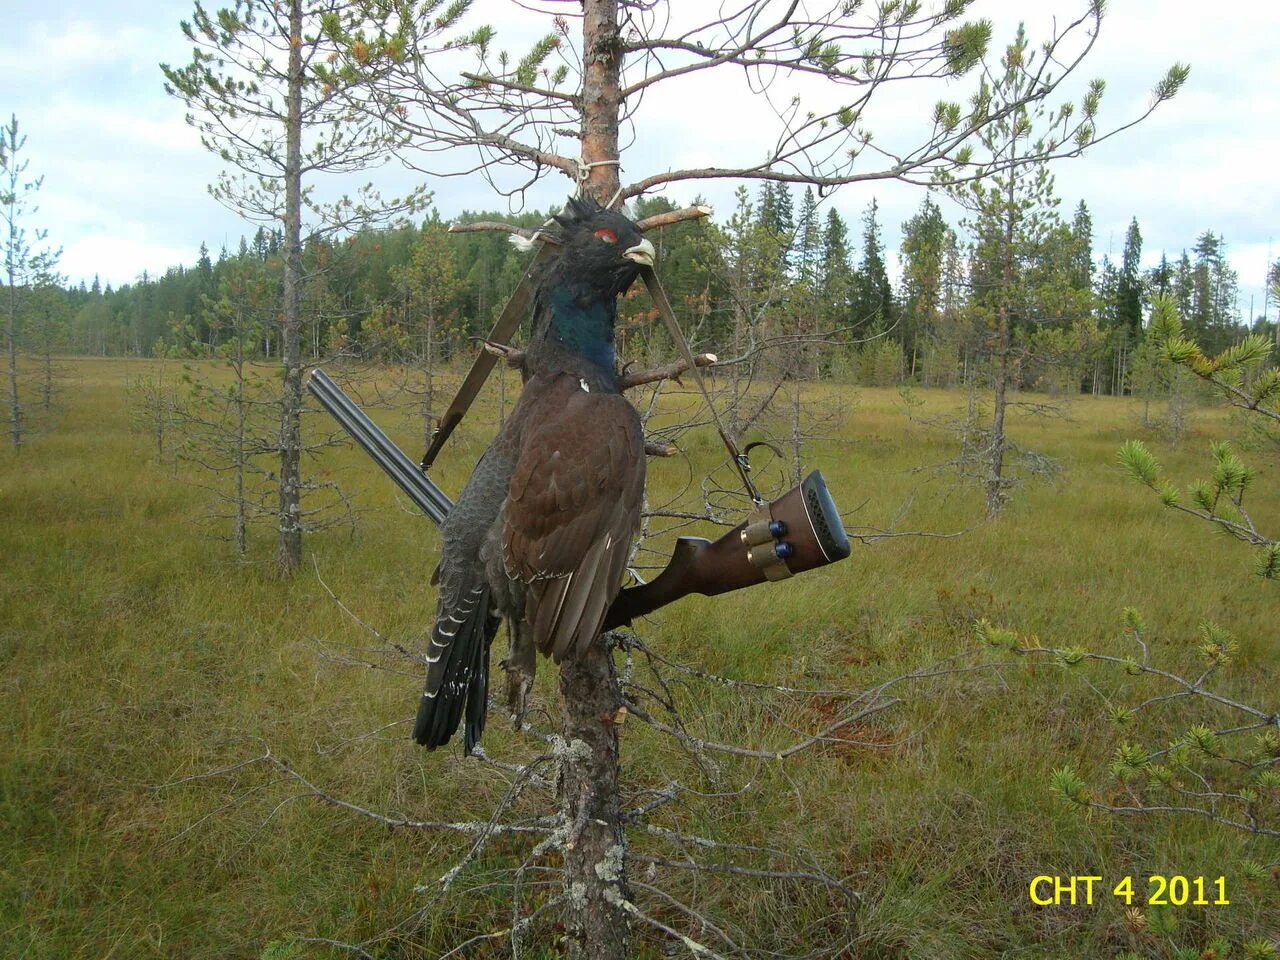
(575, 335)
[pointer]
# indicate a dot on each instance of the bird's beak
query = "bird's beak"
(642, 253)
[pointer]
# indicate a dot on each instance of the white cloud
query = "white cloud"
(121, 256)
(126, 178)
(58, 50)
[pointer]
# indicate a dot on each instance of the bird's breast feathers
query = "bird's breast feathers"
(572, 507)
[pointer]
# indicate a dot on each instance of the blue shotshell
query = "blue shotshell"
(784, 550)
(777, 528)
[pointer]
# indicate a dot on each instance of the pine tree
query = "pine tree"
(1214, 285)
(1184, 292)
(1082, 254)
(1160, 277)
(1123, 295)
(776, 219)
(766, 206)
(873, 301)
(256, 87)
(925, 242)
(430, 288)
(784, 211)
(809, 239)
(1013, 212)
(746, 259)
(24, 265)
(1129, 292)
(835, 272)
(47, 334)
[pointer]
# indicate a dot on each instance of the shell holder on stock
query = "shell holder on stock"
(766, 549)
(762, 535)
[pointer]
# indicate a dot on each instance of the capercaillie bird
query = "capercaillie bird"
(541, 532)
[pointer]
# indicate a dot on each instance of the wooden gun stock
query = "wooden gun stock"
(810, 524)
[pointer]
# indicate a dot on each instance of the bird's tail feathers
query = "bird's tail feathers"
(457, 668)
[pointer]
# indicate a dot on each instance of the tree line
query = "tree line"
(776, 263)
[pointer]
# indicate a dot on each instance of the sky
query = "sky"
(125, 179)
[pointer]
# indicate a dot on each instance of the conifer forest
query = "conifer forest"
(850, 523)
(924, 328)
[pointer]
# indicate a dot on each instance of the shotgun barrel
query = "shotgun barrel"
(408, 476)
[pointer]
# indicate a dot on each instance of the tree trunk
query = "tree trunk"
(797, 435)
(735, 401)
(11, 346)
(289, 553)
(46, 385)
(12, 253)
(601, 97)
(428, 378)
(595, 856)
(995, 474)
(161, 410)
(241, 401)
(502, 395)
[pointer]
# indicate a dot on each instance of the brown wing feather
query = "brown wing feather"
(572, 509)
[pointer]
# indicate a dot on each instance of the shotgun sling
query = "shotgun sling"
(799, 531)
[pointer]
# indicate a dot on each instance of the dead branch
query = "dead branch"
(512, 355)
(825, 735)
(732, 869)
(658, 448)
(697, 949)
(513, 932)
(670, 371)
(495, 226)
(539, 826)
(484, 830)
(342, 606)
(1249, 826)
(514, 358)
(673, 216)
(654, 222)
(630, 641)
(873, 534)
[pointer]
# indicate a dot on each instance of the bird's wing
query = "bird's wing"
(572, 509)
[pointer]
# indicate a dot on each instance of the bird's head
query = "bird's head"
(601, 250)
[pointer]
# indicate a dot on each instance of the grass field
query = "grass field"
(135, 654)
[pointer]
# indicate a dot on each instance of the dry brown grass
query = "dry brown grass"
(135, 653)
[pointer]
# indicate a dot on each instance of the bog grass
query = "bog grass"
(137, 658)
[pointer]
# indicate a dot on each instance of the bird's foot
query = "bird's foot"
(519, 683)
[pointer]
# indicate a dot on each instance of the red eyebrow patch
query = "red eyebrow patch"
(607, 235)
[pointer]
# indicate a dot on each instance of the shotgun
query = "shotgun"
(799, 531)
(408, 476)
